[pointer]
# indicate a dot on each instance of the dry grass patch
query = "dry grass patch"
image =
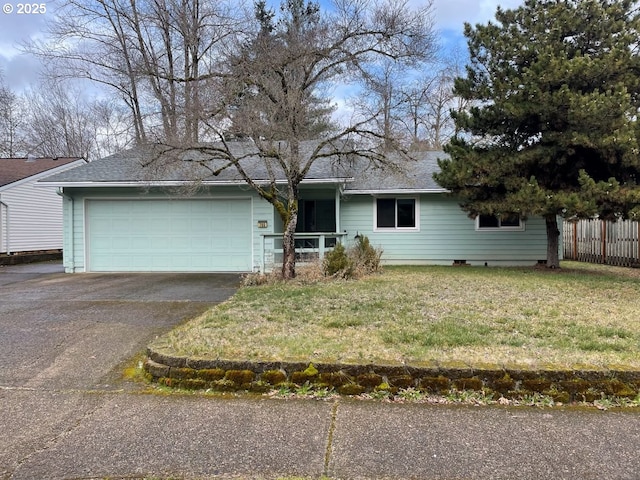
(417, 315)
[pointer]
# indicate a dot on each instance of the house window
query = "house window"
(396, 213)
(496, 222)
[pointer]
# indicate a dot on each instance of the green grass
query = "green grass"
(417, 315)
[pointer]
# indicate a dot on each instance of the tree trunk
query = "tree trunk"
(289, 246)
(553, 238)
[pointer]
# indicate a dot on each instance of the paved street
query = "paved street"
(65, 413)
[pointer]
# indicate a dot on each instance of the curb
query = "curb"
(583, 383)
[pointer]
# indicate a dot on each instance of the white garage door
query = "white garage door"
(169, 235)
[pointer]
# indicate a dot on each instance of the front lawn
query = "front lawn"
(583, 314)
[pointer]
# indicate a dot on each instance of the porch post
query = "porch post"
(321, 247)
(262, 254)
(337, 202)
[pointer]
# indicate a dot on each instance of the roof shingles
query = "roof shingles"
(140, 166)
(16, 169)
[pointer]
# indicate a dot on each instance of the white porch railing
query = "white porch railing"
(309, 247)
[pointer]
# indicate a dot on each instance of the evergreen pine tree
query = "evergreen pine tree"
(554, 130)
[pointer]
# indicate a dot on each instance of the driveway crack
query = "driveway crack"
(329, 448)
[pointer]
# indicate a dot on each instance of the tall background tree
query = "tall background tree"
(157, 56)
(12, 119)
(49, 119)
(554, 131)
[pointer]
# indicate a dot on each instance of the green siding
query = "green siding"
(445, 234)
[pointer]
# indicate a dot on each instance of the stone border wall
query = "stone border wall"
(585, 384)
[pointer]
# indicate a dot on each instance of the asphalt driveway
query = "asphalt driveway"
(73, 331)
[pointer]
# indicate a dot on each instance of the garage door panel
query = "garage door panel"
(169, 235)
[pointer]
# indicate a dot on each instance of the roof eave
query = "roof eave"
(178, 183)
(390, 191)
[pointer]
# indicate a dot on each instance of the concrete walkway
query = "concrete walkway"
(66, 414)
(50, 434)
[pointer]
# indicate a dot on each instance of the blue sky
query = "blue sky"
(21, 70)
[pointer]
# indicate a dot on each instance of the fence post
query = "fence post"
(604, 241)
(575, 240)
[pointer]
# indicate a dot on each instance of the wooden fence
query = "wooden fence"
(599, 241)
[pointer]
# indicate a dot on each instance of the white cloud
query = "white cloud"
(20, 70)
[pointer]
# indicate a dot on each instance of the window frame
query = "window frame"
(396, 228)
(500, 227)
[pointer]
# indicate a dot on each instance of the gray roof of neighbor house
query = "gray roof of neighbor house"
(154, 165)
(15, 169)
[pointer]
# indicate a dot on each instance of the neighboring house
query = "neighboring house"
(123, 216)
(30, 217)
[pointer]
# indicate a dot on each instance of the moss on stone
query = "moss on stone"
(334, 379)
(559, 396)
(439, 384)
(210, 374)
(538, 385)
(473, 383)
(225, 385)
(273, 377)
(311, 371)
(503, 385)
(181, 372)
(402, 381)
(351, 389)
(575, 386)
(260, 387)
(369, 380)
(240, 377)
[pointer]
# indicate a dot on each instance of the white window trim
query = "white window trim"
(396, 229)
(520, 228)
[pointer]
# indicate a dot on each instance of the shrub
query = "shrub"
(337, 263)
(365, 258)
(360, 260)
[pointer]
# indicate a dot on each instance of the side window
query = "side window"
(495, 222)
(396, 213)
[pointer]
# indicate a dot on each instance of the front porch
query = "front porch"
(310, 247)
(317, 230)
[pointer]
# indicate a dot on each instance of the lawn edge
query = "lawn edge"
(563, 384)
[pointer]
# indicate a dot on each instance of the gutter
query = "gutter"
(395, 191)
(177, 183)
(2, 204)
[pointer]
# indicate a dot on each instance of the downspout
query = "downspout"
(71, 263)
(8, 226)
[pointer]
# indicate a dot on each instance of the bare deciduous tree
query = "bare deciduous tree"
(60, 121)
(156, 54)
(277, 85)
(112, 127)
(11, 122)
(426, 107)
(383, 101)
